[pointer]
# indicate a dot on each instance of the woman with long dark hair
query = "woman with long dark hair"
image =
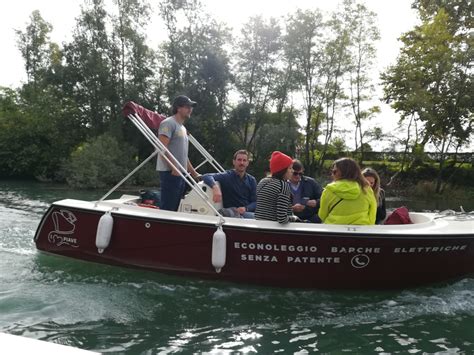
(273, 193)
(373, 179)
(349, 198)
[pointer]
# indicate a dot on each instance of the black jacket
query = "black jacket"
(311, 189)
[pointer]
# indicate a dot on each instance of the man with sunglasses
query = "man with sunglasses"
(306, 193)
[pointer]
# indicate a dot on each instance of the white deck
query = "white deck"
(14, 344)
(424, 223)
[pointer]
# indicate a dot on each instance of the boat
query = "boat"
(15, 344)
(198, 241)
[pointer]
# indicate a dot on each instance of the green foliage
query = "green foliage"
(431, 79)
(363, 37)
(279, 132)
(428, 189)
(75, 90)
(303, 51)
(196, 64)
(432, 82)
(338, 147)
(35, 135)
(34, 46)
(99, 163)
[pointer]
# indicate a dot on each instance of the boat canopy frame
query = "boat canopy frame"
(145, 120)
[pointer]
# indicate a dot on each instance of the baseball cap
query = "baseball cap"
(182, 100)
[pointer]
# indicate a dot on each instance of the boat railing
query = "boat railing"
(208, 158)
(161, 149)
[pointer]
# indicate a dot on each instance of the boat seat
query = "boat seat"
(193, 203)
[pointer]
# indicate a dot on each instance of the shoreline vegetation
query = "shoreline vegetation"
(64, 124)
(457, 183)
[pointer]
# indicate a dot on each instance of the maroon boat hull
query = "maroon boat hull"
(288, 258)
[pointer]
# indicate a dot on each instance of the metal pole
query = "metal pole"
(126, 177)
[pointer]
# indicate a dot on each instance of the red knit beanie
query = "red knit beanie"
(279, 161)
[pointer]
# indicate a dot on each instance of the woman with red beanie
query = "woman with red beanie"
(273, 193)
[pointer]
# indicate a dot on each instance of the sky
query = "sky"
(394, 18)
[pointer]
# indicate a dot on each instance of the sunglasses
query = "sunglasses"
(296, 174)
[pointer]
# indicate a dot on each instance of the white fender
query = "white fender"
(104, 232)
(218, 249)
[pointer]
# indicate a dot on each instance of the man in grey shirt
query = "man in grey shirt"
(174, 136)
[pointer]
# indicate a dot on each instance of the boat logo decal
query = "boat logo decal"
(64, 226)
(360, 260)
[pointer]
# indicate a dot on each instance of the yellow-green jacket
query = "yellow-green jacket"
(355, 206)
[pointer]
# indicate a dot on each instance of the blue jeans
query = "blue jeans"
(172, 189)
(249, 215)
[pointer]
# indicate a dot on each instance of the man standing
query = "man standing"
(306, 193)
(174, 136)
(237, 189)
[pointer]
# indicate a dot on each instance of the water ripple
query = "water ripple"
(117, 310)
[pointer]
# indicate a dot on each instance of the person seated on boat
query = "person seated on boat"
(349, 199)
(273, 193)
(305, 192)
(374, 180)
(237, 189)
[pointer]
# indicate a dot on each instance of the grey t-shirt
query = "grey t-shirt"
(178, 145)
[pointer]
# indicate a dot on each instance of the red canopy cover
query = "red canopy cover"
(151, 119)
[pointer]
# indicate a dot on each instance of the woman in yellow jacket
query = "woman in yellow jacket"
(349, 199)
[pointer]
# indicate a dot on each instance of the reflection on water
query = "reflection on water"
(117, 310)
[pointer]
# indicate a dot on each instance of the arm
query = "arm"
(324, 205)
(191, 169)
(315, 195)
(381, 209)
(166, 140)
(283, 205)
(372, 206)
(253, 196)
(210, 180)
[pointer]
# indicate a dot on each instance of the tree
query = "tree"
(460, 19)
(197, 65)
(257, 54)
(432, 80)
(134, 60)
(279, 132)
(364, 34)
(43, 132)
(335, 64)
(89, 70)
(302, 48)
(34, 47)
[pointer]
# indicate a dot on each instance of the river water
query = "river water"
(116, 310)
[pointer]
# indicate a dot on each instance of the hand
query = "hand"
(312, 203)
(294, 219)
(297, 207)
(241, 210)
(216, 194)
(174, 172)
(197, 177)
